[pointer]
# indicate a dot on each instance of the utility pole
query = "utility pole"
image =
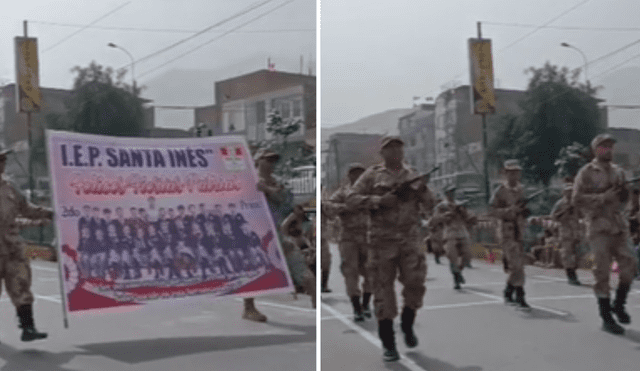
(485, 163)
(30, 164)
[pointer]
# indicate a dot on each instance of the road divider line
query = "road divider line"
(404, 360)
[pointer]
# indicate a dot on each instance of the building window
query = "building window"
(297, 108)
(285, 109)
(261, 111)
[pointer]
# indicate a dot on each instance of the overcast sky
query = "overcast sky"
(378, 55)
(284, 34)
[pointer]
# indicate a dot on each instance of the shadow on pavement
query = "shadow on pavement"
(34, 360)
(433, 364)
(632, 335)
(137, 351)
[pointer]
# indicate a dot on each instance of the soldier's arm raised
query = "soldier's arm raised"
(31, 211)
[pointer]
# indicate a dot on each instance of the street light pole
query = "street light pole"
(133, 76)
(584, 57)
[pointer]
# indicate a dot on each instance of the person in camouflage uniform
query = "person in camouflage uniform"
(293, 243)
(567, 216)
(436, 230)
(600, 193)
(354, 247)
(394, 235)
(505, 205)
(15, 269)
(455, 218)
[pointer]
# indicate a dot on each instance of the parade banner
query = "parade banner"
(483, 97)
(141, 219)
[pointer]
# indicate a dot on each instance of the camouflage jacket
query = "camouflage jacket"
(13, 205)
(568, 218)
(456, 226)
(502, 199)
(398, 220)
(600, 215)
(352, 220)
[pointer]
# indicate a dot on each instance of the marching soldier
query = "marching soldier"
(506, 206)
(395, 220)
(14, 266)
(455, 218)
(565, 214)
(436, 229)
(354, 248)
(599, 191)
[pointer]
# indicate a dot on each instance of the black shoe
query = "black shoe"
(456, 281)
(520, 302)
(608, 323)
(437, 259)
(390, 355)
(407, 319)
(618, 305)
(385, 331)
(508, 295)
(461, 278)
(366, 310)
(29, 332)
(572, 277)
(325, 282)
(357, 309)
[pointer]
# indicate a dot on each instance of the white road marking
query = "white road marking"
(49, 298)
(37, 267)
(556, 312)
(404, 359)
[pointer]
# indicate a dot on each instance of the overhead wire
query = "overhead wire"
(85, 27)
(166, 30)
(577, 28)
(216, 38)
(228, 19)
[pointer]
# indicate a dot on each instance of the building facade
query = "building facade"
(417, 130)
(347, 148)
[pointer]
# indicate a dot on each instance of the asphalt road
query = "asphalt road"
(187, 334)
(472, 330)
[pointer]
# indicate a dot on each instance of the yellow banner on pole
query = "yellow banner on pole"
(483, 98)
(28, 93)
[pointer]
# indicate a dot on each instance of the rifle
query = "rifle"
(404, 190)
(521, 207)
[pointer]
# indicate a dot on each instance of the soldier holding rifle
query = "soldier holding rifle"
(600, 191)
(567, 216)
(395, 198)
(508, 205)
(455, 218)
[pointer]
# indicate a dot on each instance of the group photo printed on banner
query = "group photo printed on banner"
(145, 219)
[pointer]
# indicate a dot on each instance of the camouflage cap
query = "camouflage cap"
(512, 165)
(265, 153)
(389, 139)
(356, 166)
(601, 138)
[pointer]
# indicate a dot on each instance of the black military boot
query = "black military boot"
(619, 302)
(385, 331)
(572, 277)
(608, 323)
(522, 304)
(325, 281)
(437, 257)
(508, 295)
(366, 310)
(456, 281)
(357, 309)
(29, 332)
(407, 319)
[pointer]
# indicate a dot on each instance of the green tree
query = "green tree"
(558, 110)
(504, 145)
(102, 103)
(571, 158)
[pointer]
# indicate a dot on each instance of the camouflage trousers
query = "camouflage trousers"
(437, 245)
(458, 253)
(569, 252)
(514, 252)
(401, 256)
(15, 270)
(606, 247)
(354, 256)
